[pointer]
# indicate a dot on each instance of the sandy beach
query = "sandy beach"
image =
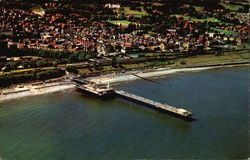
(34, 89)
(134, 75)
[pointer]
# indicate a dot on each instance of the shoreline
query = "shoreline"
(33, 89)
(153, 73)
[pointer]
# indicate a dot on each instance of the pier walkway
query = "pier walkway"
(157, 105)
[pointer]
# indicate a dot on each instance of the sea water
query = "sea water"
(71, 125)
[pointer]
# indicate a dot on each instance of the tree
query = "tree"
(12, 65)
(28, 64)
(114, 62)
(53, 73)
(72, 69)
(41, 63)
(55, 63)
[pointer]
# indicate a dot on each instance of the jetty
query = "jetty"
(102, 90)
(159, 106)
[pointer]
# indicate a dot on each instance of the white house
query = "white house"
(113, 6)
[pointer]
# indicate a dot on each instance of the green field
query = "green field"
(225, 32)
(244, 3)
(123, 23)
(19, 71)
(197, 8)
(207, 19)
(119, 21)
(231, 7)
(196, 19)
(139, 14)
(244, 55)
(207, 59)
(200, 20)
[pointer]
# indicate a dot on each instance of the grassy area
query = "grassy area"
(158, 63)
(195, 60)
(207, 19)
(151, 54)
(196, 19)
(207, 59)
(179, 15)
(200, 20)
(197, 8)
(225, 32)
(33, 57)
(119, 21)
(244, 55)
(38, 10)
(124, 23)
(157, 4)
(125, 67)
(139, 14)
(84, 71)
(18, 71)
(231, 7)
(243, 3)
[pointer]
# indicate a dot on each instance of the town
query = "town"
(74, 32)
(71, 32)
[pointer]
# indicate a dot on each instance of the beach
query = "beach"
(32, 89)
(63, 83)
(134, 75)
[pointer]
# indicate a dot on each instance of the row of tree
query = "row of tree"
(72, 56)
(9, 79)
(25, 64)
(48, 58)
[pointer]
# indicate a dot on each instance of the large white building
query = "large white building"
(114, 6)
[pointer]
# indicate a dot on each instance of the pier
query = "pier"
(102, 90)
(182, 113)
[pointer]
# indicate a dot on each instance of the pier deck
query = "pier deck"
(177, 111)
(95, 90)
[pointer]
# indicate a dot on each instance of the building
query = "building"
(112, 6)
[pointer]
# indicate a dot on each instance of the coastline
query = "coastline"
(32, 89)
(130, 76)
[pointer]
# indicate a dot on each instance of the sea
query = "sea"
(71, 125)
